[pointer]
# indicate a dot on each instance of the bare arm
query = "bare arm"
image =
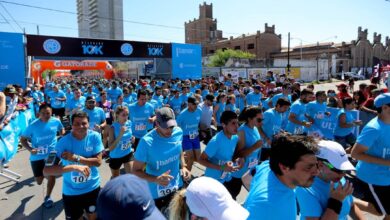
(359, 153)
(112, 140)
(2, 104)
(90, 161)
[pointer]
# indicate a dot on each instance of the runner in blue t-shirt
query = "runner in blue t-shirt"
(141, 116)
(218, 156)
(218, 108)
(189, 120)
(81, 153)
(57, 102)
(297, 120)
(372, 150)
(76, 103)
(292, 163)
(254, 98)
(330, 195)
(97, 118)
(316, 112)
(42, 134)
(176, 102)
(120, 141)
(249, 142)
(343, 133)
(159, 158)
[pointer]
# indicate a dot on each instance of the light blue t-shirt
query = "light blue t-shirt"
(376, 136)
(160, 155)
(96, 116)
(299, 109)
(230, 107)
(175, 104)
(123, 147)
(113, 94)
(43, 136)
(159, 100)
(91, 145)
(220, 150)
(189, 122)
(251, 137)
(272, 123)
(53, 99)
(75, 104)
(342, 132)
(316, 111)
(253, 99)
(276, 97)
(218, 114)
(139, 116)
(313, 200)
(269, 198)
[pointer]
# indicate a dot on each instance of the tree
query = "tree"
(221, 56)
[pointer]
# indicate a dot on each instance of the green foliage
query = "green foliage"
(220, 57)
(49, 73)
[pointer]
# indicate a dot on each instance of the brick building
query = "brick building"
(204, 31)
(356, 54)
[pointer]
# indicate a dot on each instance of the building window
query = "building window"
(251, 46)
(237, 48)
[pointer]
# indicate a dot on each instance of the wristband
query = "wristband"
(78, 158)
(334, 205)
(223, 167)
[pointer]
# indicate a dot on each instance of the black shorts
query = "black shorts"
(136, 142)
(75, 206)
(116, 163)
(265, 153)
(37, 167)
(59, 112)
(379, 196)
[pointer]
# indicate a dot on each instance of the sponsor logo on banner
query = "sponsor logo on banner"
(155, 50)
(51, 46)
(183, 51)
(92, 48)
(74, 64)
(126, 49)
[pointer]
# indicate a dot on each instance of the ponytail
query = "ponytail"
(178, 209)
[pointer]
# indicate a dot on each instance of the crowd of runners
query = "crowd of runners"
(263, 136)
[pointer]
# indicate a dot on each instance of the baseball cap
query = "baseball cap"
(382, 99)
(90, 98)
(166, 117)
(192, 100)
(127, 197)
(335, 154)
(208, 198)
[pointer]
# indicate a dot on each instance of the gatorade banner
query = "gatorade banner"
(12, 65)
(186, 61)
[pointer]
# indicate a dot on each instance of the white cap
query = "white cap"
(335, 154)
(208, 198)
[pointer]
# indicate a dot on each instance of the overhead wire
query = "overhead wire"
(10, 15)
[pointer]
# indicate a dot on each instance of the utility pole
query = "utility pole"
(288, 55)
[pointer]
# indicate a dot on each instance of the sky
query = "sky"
(308, 21)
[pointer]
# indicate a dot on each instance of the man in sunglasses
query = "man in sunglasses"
(159, 158)
(329, 197)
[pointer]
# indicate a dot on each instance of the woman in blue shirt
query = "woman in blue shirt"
(121, 140)
(343, 133)
(249, 141)
(219, 107)
(231, 104)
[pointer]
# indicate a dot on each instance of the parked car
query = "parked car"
(355, 76)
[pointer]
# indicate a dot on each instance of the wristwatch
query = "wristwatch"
(78, 158)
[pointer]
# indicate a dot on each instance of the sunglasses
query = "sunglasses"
(259, 119)
(334, 169)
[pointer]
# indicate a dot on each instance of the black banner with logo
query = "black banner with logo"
(84, 47)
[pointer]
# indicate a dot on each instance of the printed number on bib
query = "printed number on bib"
(78, 177)
(193, 134)
(125, 145)
(166, 190)
(140, 126)
(42, 150)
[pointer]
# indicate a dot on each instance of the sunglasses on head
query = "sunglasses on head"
(334, 169)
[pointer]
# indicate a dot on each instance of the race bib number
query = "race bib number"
(193, 134)
(107, 114)
(42, 150)
(166, 190)
(125, 145)
(78, 177)
(253, 162)
(140, 126)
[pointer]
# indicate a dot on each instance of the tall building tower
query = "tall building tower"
(100, 19)
(203, 30)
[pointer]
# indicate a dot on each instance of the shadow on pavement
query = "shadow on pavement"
(37, 214)
(17, 186)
